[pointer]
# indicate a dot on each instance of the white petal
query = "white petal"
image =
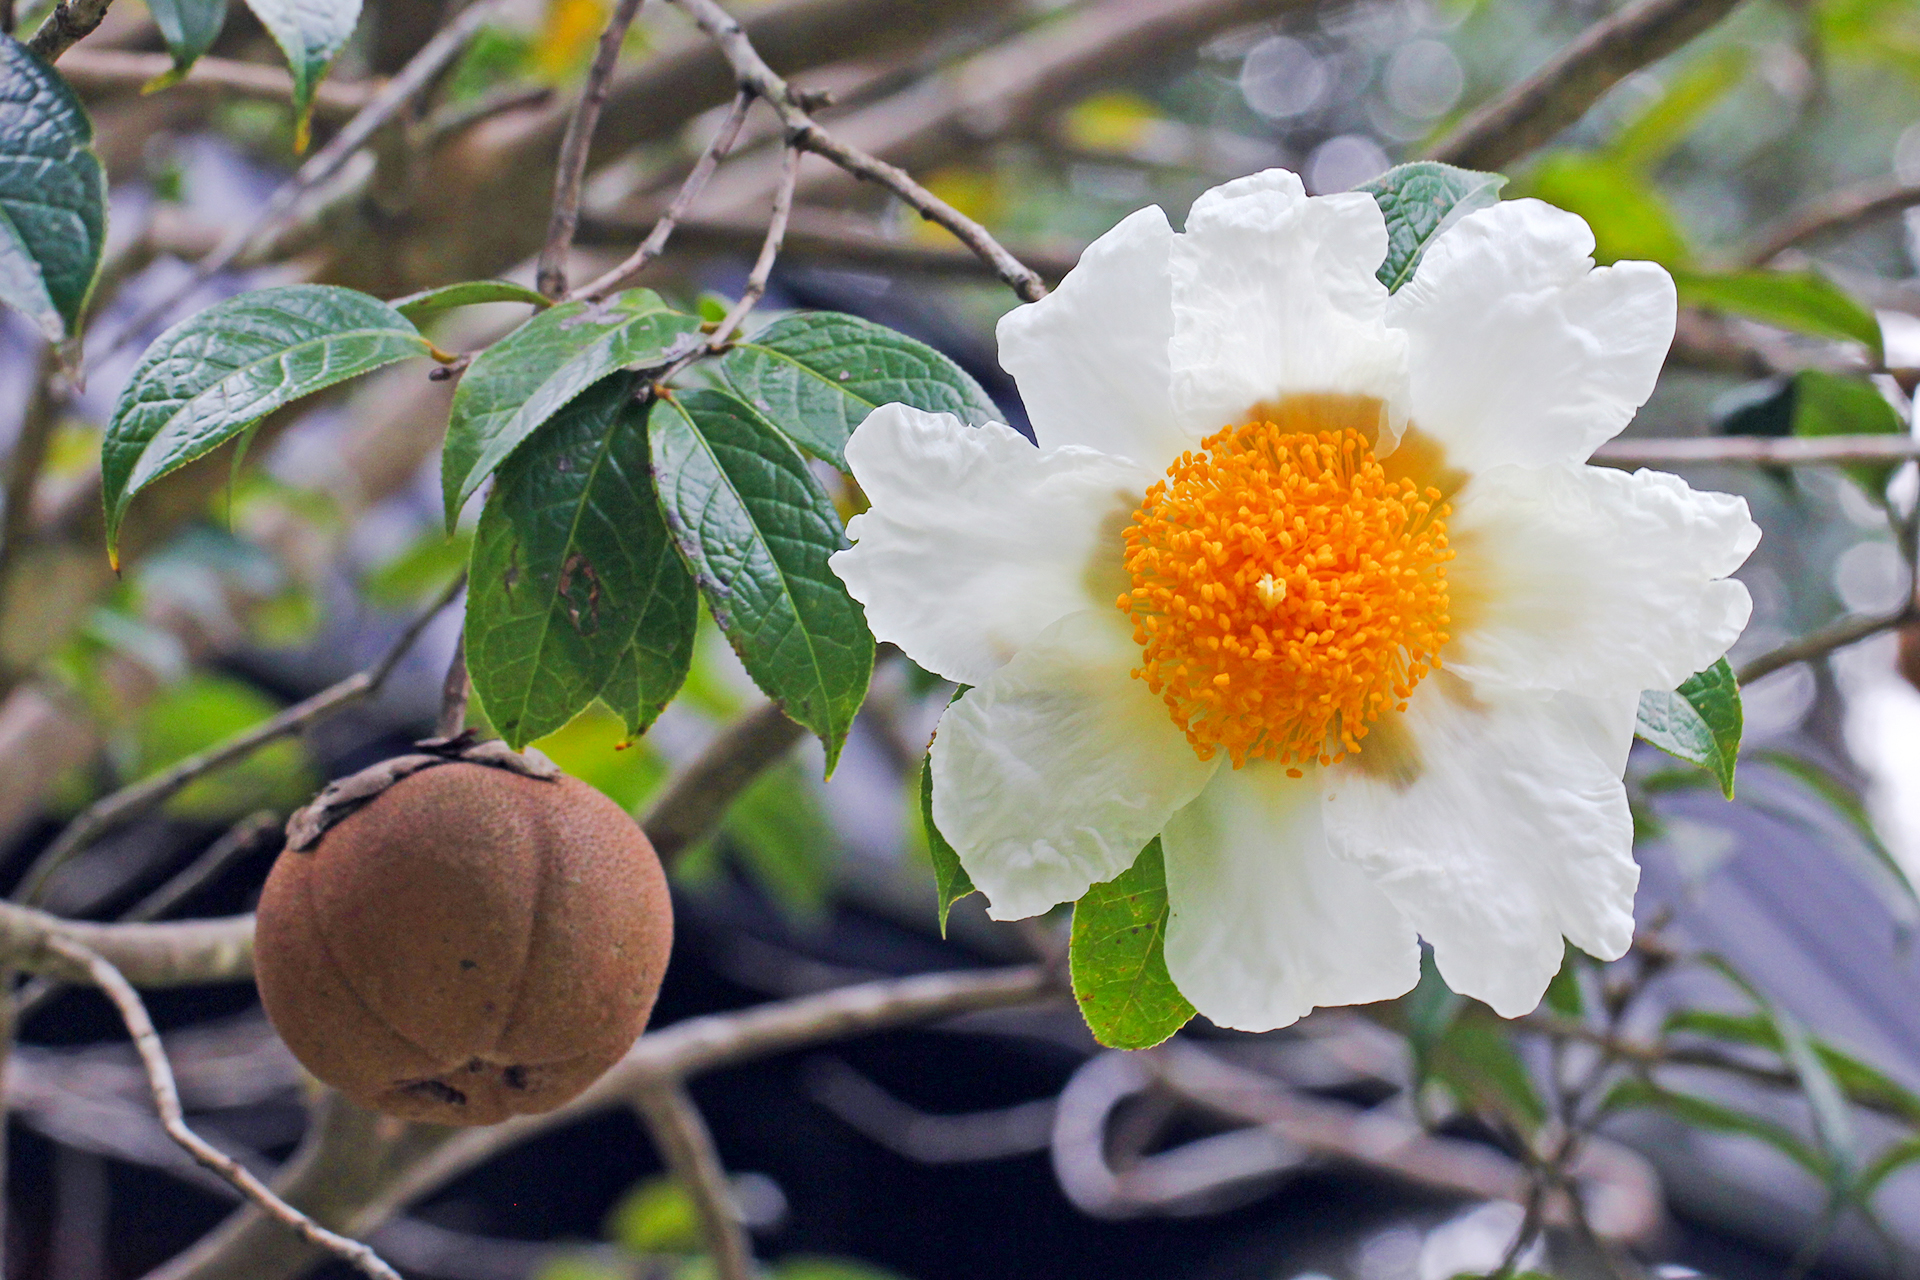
(1091, 357)
(1274, 294)
(1522, 352)
(1266, 923)
(1503, 828)
(976, 540)
(1054, 774)
(1587, 578)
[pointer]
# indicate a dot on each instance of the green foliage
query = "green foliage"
(529, 375)
(784, 842)
(217, 373)
(311, 34)
(53, 196)
(594, 747)
(1650, 136)
(1832, 404)
(200, 712)
(756, 530)
(950, 880)
(1118, 957)
(1863, 1084)
(1699, 722)
(816, 376)
(1702, 1113)
(189, 28)
(1803, 301)
(1564, 996)
(1420, 200)
(418, 306)
(573, 575)
(1460, 1045)
(656, 1216)
(417, 573)
(1630, 219)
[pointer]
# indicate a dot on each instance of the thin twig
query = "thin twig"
(420, 72)
(1533, 112)
(29, 458)
(70, 21)
(1836, 211)
(122, 806)
(696, 181)
(1771, 451)
(686, 1147)
(455, 688)
(755, 75)
(769, 251)
(1824, 641)
(551, 278)
(166, 1099)
(107, 71)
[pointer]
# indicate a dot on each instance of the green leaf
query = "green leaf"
(950, 880)
(1803, 301)
(189, 28)
(573, 572)
(657, 1216)
(1701, 1113)
(216, 373)
(1419, 201)
(817, 376)
(1563, 993)
(524, 379)
(1865, 1085)
(784, 842)
(1831, 404)
(1650, 136)
(1629, 217)
(756, 530)
(53, 195)
(1889, 1162)
(418, 306)
(1699, 722)
(311, 33)
(1474, 1058)
(1118, 957)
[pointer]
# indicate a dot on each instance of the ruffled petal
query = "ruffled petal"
(1274, 295)
(1265, 922)
(1498, 826)
(1587, 578)
(1054, 774)
(977, 541)
(1091, 357)
(1521, 351)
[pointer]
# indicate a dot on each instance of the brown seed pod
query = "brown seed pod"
(474, 941)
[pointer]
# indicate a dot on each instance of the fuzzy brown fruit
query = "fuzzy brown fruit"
(470, 945)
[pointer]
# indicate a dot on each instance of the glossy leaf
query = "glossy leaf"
(573, 573)
(418, 306)
(213, 375)
(1803, 301)
(1420, 200)
(189, 28)
(525, 378)
(1118, 957)
(818, 375)
(53, 195)
(311, 34)
(756, 530)
(950, 880)
(1699, 722)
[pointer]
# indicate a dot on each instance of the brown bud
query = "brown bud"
(470, 943)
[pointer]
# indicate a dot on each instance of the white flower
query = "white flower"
(1314, 584)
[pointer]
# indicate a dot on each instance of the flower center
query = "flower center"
(1286, 592)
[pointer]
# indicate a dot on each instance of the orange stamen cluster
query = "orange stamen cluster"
(1286, 593)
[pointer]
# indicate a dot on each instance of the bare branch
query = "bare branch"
(551, 278)
(1836, 211)
(692, 804)
(179, 954)
(769, 251)
(29, 456)
(70, 22)
(686, 1147)
(166, 1099)
(455, 688)
(122, 806)
(113, 71)
(1824, 641)
(755, 75)
(696, 181)
(1533, 112)
(1771, 451)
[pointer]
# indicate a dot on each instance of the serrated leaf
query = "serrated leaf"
(818, 375)
(1699, 722)
(418, 306)
(189, 28)
(213, 375)
(1419, 201)
(756, 530)
(311, 33)
(950, 880)
(524, 379)
(1118, 957)
(53, 195)
(573, 572)
(1803, 301)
